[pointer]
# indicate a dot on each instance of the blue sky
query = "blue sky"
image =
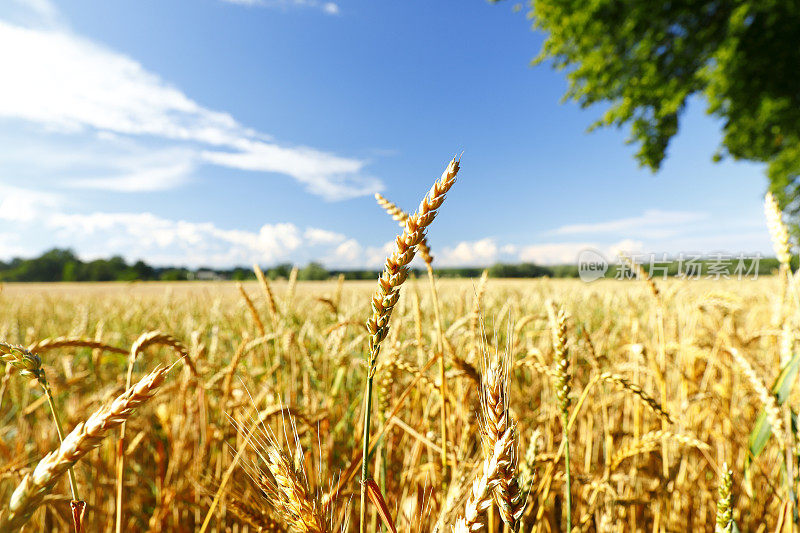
(224, 133)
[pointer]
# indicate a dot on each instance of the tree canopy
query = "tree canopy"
(645, 59)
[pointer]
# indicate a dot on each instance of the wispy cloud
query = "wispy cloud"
(652, 223)
(560, 253)
(325, 174)
(330, 8)
(69, 84)
(134, 169)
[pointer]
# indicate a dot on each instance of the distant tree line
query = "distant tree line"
(63, 265)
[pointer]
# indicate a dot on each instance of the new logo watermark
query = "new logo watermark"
(593, 265)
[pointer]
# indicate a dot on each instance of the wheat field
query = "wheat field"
(450, 405)
(636, 465)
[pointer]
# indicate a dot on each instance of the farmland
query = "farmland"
(658, 402)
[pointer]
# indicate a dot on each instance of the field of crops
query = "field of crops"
(261, 427)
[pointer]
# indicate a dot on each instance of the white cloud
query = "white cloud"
(375, 256)
(142, 177)
(322, 236)
(328, 7)
(66, 83)
(469, 253)
(165, 241)
(348, 254)
(508, 249)
(331, 176)
(24, 205)
(559, 253)
(653, 223)
(31, 222)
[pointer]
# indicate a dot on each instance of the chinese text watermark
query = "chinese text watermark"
(593, 265)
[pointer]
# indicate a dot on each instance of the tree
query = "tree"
(141, 271)
(523, 270)
(313, 272)
(645, 59)
(49, 266)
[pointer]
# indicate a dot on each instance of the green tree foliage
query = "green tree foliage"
(64, 265)
(645, 59)
(313, 271)
(524, 270)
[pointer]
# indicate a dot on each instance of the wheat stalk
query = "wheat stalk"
(86, 436)
(395, 272)
(150, 338)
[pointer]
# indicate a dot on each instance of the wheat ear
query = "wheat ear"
(253, 310)
(724, 512)
(152, 338)
(777, 231)
(481, 494)
(642, 275)
(476, 305)
(290, 289)
(527, 468)
(54, 343)
(424, 250)
(636, 390)
(496, 420)
(27, 363)
(651, 441)
(86, 436)
(265, 286)
(395, 272)
(291, 497)
(764, 394)
(401, 216)
(30, 364)
(563, 386)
